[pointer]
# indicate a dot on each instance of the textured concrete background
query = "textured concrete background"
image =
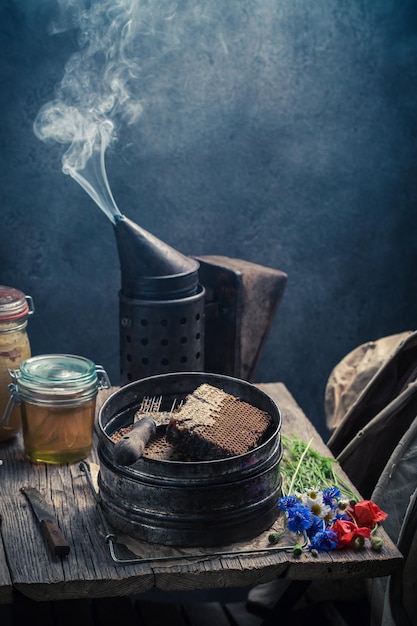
(282, 133)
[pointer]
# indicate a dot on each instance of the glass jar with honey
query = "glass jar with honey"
(57, 394)
(15, 308)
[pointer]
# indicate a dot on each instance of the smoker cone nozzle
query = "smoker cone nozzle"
(150, 268)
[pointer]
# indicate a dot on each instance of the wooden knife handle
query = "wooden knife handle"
(56, 541)
(130, 447)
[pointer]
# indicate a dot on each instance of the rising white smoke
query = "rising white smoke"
(101, 87)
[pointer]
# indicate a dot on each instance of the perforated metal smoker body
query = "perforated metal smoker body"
(161, 336)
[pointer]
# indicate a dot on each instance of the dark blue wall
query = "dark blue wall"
(282, 133)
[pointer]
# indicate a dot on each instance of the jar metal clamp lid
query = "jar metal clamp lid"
(55, 379)
(14, 304)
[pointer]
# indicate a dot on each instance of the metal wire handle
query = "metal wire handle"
(14, 400)
(111, 538)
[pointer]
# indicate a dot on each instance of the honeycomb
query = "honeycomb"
(159, 448)
(212, 424)
(209, 424)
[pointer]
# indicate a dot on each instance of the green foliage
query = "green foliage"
(303, 468)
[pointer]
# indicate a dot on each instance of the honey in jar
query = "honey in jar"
(15, 307)
(58, 393)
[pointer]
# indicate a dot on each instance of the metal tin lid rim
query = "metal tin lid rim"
(102, 430)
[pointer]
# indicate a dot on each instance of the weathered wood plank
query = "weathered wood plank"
(293, 419)
(6, 587)
(89, 572)
(219, 573)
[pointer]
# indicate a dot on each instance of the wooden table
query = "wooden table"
(89, 572)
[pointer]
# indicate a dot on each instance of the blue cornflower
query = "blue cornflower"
(323, 541)
(315, 527)
(342, 515)
(287, 502)
(331, 496)
(299, 518)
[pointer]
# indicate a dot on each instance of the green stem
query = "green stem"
(298, 466)
(312, 470)
(343, 486)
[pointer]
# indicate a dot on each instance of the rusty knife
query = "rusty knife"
(56, 541)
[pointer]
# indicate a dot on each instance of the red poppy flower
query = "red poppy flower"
(367, 513)
(347, 531)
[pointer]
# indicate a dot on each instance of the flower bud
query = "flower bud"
(274, 537)
(359, 542)
(297, 549)
(377, 543)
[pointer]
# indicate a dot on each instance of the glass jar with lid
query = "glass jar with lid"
(15, 308)
(57, 394)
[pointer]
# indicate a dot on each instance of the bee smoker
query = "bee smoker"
(190, 314)
(161, 306)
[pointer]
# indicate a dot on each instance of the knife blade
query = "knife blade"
(56, 541)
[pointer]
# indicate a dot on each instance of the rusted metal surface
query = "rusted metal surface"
(241, 301)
